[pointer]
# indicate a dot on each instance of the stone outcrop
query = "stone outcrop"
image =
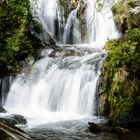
(103, 106)
(13, 120)
(2, 110)
(10, 132)
(105, 127)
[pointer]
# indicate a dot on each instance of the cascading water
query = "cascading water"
(100, 24)
(71, 32)
(65, 85)
(64, 82)
(5, 85)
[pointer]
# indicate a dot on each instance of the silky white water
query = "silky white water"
(63, 84)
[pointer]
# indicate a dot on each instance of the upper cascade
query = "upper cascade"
(77, 21)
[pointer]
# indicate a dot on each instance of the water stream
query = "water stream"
(59, 92)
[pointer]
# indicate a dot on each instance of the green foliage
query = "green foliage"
(123, 50)
(121, 74)
(127, 14)
(14, 21)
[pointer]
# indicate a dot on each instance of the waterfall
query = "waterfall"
(5, 85)
(100, 23)
(65, 80)
(71, 32)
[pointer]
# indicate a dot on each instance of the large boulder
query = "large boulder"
(19, 119)
(98, 127)
(13, 120)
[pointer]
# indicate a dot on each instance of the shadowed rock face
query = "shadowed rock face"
(13, 120)
(4, 135)
(81, 16)
(105, 127)
(10, 132)
(103, 106)
(2, 110)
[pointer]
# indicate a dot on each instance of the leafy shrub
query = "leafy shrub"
(121, 74)
(16, 41)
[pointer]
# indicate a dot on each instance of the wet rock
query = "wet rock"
(98, 127)
(4, 135)
(94, 127)
(10, 132)
(2, 110)
(103, 106)
(37, 55)
(19, 119)
(13, 120)
(119, 130)
(81, 16)
(51, 40)
(105, 127)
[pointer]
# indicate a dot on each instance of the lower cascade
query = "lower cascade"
(63, 84)
(60, 84)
